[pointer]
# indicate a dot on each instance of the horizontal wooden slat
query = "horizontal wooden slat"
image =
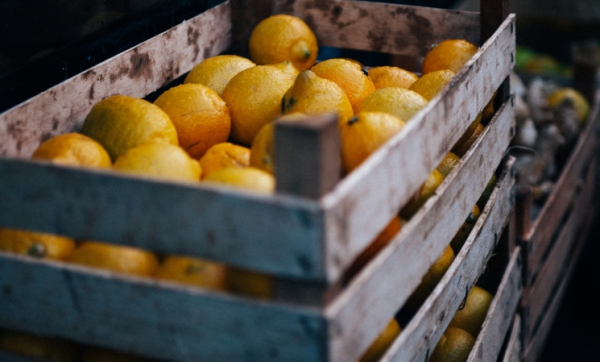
(388, 28)
(420, 336)
(372, 194)
(488, 345)
(135, 72)
(537, 239)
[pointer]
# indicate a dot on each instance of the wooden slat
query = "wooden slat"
(419, 337)
(374, 192)
(538, 237)
(537, 296)
(11, 357)
(488, 344)
(388, 28)
(135, 72)
(151, 318)
(512, 353)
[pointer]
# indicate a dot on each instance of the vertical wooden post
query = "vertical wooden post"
(522, 208)
(493, 13)
(245, 14)
(585, 68)
(307, 155)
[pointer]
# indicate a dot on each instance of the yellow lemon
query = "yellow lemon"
(580, 104)
(215, 72)
(448, 163)
(364, 133)
(487, 192)
(73, 149)
(200, 116)
(425, 192)
(460, 149)
(387, 76)
(159, 160)
(249, 283)
(121, 122)
(313, 95)
(119, 258)
(349, 76)
(450, 54)
(283, 37)
(254, 99)
(193, 271)
(249, 178)
(454, 345)
(383, 341)
(472, 314)
(400, 102)
(223, 155)
(40, 245)
(287, 67)
(463, 233)
(430, 84)
(39, 347)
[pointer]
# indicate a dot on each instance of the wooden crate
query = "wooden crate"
(512, 352)
(312, 317)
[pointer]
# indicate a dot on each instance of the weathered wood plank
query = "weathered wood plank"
(374, 192)
(388, 28)
(151, 318)
(420, 336)
(512, 353)
(135, 72)
(538, 237)
(11, 357)
(488, 344)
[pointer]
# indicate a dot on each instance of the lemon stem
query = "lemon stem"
(352, 120)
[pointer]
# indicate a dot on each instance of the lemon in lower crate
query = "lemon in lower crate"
(118, 258)
(388, 76)
(580, 104)
(250, 283)
(430, 280)
(470, 130)
(426, 190)
(383, 341)
(488, 110)
(448, 163)
(471, 315)
(200, 116)
(460, 149)
(215, 72)
(99, 354)
(465, 229)
(454, 345)
(430, 84)
(159, 160)
(39, 347)
(39, 245)
(311, 95)
(121, 122)
(353, 80)
(193, 271)
(224, 155)
(249, 179)
(400, 102)
(73, 149)
(449, 54)
(363, 134)
(283, 37)
(254, 99)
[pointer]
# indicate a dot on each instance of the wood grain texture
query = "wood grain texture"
(512, 353)
(488, 345)
(537, 239)
(151, 318)
(420, 336)
(388, 28)
(365, 200)
(135, 72)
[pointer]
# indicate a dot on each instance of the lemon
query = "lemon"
(430, 84)
(193, 271)
(487, 192)
(159, 160)
(73, 149)
(460, 149)
(254, 99)
(121, 122)
(450, 54)
(249, 283)
(463, 233)
(40, 245)
(215, 72)
(39, 347)
(472, 315)
(448, 163)
(119, 258)
(223, 155)
(387, 76)
(425, 192)
(287, 67)
(283, 37)
(383, 341)
(400, 102)
(580, 104)
(249, 178)
(454, 345)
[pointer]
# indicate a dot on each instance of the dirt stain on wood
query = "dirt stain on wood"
(141, 66)
(192, 40)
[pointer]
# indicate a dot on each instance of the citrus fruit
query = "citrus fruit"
(349, 76)
(580, 104)
(469, 132)
(98, 354)
(313, 95)
(430, 84)
(465, 229)
(249, 178)
(159, 160)
(364, 133)
(118, 258)
(215, 72)
(223, 155)
(400, 102)
(121, 122)
(200, 116)
(383, 341)
(249, 283)
(254, 99)
(425, 192)
(193, 271)
(39, 347)
(487, 192)
(448, 163)
(388, 76)
(488, 110)
(40, 245)
(431, 279)
(460, 149)
(454, 345)
(450, 54)
(283, 37)
(287, 67)
(472, 315)
(73, 149)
